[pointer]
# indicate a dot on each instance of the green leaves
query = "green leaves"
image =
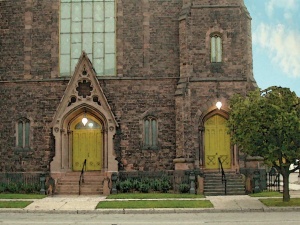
(267, 123)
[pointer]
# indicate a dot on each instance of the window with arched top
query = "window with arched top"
(216, 48)
(23, 133)
(150, 132)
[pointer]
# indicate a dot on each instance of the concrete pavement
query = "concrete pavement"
(73, 203)
(87, 204)
(236, 203)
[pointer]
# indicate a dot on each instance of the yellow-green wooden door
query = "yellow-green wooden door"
(87, 144)
(216, 143)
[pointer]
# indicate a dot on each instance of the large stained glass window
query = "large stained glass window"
(87, 25)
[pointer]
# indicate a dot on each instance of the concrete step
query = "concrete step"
(74, 189)
(92, 183)
(77, 182)
(213, 184)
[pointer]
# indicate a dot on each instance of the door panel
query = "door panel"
(217, 143)
(87, 144)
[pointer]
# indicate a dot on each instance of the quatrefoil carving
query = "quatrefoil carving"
(84, 88)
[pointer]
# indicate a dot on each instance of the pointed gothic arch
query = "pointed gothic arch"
(215, 140)
(83, 95)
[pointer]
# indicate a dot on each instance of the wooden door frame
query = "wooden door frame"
(211, 158)
(201, 136)
(72, 125)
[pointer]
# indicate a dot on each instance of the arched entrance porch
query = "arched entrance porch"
(83, 96)
(75, 142)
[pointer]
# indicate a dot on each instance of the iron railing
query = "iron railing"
(224, 180)
(273, 180)
(81, 178)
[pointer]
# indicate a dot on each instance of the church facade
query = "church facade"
(144, 77)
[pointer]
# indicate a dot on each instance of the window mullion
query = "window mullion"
(27, 134)
(150, 133)
(20, 134)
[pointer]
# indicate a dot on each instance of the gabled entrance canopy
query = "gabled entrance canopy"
(83, 97)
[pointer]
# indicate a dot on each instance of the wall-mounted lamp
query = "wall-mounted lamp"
(84, 119)
(219, 105)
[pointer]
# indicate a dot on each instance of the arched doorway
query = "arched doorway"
(216, 143)
(87, 144)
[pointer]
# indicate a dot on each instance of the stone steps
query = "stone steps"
(213, 184)
(69, 184)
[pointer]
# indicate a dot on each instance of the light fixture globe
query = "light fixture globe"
(84, 121)
(219, 105)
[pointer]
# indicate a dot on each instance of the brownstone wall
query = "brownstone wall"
(233, 38)
(131, 100)
(154, 48)
(12, 39)
(37, 101)
(148, 38)
(29, 39)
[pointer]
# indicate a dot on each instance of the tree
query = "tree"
(266, 123)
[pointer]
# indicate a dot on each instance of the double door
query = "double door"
(87, 144)
(217, 143)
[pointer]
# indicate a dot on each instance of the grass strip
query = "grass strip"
(278, 202)
(14, 204)
(22, 196)
(151, 196)
(140, 204)
(267, 194)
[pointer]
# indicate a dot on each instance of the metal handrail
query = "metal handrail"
(224, 180)
(81, 178)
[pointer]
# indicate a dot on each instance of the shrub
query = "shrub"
(144, 187)
(30, 188)
(184, 188)
(37, 187)
(165, 186)
(144, 184)
(13, 187)
(156, 185)
(135, 184)
(118, 185)
(3, 187)
(125, 185)
(21, 188)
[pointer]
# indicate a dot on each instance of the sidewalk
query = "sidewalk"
(87, 204)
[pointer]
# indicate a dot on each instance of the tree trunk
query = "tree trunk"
(286, 191)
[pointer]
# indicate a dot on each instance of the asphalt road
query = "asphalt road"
(245, 218)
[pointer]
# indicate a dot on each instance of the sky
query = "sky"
(276, 42)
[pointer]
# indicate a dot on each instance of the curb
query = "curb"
(153, 211)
